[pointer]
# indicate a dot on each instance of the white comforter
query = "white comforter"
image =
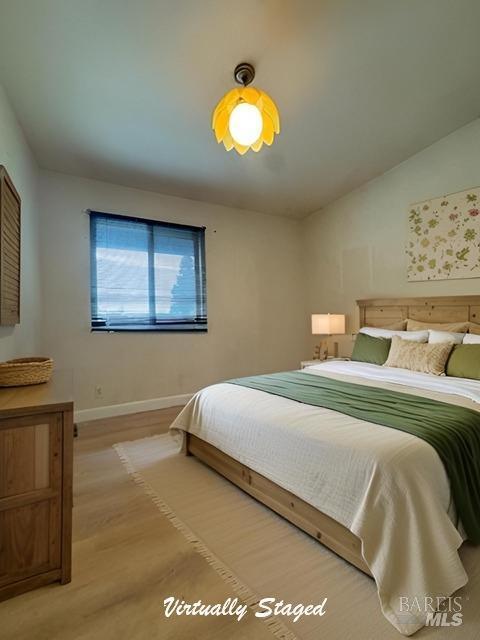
(386, 486)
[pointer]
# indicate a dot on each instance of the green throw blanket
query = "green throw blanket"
(453, 431)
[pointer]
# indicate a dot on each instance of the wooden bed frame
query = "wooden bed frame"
(373, 313)
(325, 529)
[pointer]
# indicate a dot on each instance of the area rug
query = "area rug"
(261, 555)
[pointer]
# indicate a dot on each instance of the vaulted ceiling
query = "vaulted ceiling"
(123, 90)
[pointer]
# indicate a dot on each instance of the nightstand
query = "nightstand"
(310, 363)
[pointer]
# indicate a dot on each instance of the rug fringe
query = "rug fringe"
(277, 628)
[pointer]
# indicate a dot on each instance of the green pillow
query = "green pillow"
(464, 361)
(370, 349)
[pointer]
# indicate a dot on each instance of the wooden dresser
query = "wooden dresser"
(36, 456)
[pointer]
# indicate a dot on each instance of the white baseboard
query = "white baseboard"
(85, 415)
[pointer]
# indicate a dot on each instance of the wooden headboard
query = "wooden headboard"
(384, 311)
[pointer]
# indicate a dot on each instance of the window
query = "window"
(146, 275)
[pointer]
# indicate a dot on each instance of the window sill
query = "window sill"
(171, 328)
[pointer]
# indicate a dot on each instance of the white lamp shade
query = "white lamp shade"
(328, 324)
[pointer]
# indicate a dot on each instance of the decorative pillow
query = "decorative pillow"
(471, 338)
(436, 337)
(370, 349)
(414, 336)
(401, 325)
(473, 327)
(426, 358)
(464, 361)
(457, 327)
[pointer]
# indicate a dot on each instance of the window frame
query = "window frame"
(198, 326)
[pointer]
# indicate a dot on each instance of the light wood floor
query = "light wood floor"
(127, 558)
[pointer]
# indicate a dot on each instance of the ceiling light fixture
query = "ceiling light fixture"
(245, 118)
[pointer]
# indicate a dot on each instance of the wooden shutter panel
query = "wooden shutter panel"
(9, 251)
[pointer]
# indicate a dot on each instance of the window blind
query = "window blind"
(146, 274)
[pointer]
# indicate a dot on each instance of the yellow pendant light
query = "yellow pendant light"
(245, 118)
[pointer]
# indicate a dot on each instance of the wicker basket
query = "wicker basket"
(24, 371)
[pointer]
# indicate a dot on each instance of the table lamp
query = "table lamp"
(327, 324)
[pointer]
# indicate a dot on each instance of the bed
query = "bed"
(378, 497)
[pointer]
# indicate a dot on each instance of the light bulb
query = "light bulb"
(245, 124)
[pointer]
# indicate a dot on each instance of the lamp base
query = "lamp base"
(321, 350)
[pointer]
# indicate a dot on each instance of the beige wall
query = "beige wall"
(354, 248)
(265, 274)
(15, 155)
(256, 312)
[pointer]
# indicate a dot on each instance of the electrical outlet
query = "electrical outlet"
(98, 391)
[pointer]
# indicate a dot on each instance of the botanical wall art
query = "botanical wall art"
(444, 237)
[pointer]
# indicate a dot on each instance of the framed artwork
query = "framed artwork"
(443, 240)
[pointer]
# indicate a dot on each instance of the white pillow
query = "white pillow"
(471, 338)
(413, 336)
(436, 337)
